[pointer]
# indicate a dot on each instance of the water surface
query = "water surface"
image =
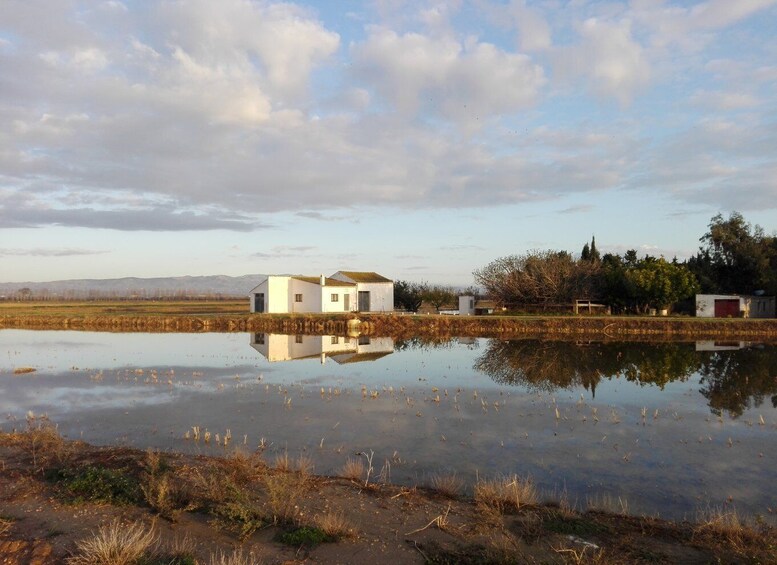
(665, 429)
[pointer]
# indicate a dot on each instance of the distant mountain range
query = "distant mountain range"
(134, 286)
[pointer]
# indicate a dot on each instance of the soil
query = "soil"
(44, 514)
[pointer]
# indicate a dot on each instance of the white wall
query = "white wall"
(705, 304)
(341, 292)
(466, 305)
(311, 296)
(381, 296)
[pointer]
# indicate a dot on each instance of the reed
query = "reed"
(506, 493)
(353, 469)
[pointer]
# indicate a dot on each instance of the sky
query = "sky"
(420, 139)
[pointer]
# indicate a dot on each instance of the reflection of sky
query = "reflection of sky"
(684, 459)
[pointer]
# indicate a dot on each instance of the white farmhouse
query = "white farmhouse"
(375, 292)
(345, 291)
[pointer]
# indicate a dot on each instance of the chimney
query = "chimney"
(323, 280)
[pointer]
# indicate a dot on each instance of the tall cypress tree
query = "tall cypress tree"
(594, 254)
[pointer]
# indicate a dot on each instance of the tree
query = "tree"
(737, 257)
(658, 284)
(438, 295)
(408, 295)
(537, 278)
(594, 251)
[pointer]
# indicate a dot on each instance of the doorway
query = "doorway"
(364, 301)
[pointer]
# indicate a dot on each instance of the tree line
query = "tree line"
(735, 257)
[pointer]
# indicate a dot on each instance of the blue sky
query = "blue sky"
(420, 139)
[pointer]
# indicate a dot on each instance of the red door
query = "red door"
(727, 308)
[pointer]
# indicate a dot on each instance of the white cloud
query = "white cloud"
(465, 82)
(612, 62)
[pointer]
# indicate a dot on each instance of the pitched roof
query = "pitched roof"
(365, 276)
(327, 281)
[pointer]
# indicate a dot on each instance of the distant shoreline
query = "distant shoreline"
(232, 316)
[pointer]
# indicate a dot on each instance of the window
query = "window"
(259, 339)
(363, 340)
(335, 298)
(335, 340)
(297, 298)
(297, 339)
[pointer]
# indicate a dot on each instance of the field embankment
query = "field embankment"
(232, 316)
(152, 507)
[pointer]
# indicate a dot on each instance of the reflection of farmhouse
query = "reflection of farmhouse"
(721, 345)
(345, 291)
(734, 306)
(277, 347)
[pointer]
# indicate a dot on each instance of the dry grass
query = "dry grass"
(507, 493)
(608, 503)
(164, 493)
(353, 469)
(335, 525)
(24, 370)
(447, 485)
(244, 467)
(234, 558)
(726, 526)
(304, 465)
(282, 462)
(284, 492)
(116, 544)
(5, 525)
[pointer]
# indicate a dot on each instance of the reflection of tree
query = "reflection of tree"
(423, 343)
(550, 365)
(734, 381)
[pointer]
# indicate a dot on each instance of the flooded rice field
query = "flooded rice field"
(652, 428)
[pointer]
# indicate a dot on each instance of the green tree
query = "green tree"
(408, 295)
(438, 295)
(737, 257)
(658, 284)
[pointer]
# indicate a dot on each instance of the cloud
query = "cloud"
(284, 251)
(50, 252)
(576, 209)
(461, 81)
(608, 59)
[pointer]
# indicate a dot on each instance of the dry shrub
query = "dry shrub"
(44, 443)
(116, 544)
(210, 489)
(503, 494)
(447, 485)
(285, 490)
(353, 469)
(726, 526)
(234, 558)
(335, 525)
(24, 370)
(165, 494)
(243, 467)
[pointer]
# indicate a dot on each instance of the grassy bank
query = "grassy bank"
(232, 316)
(175, 509)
